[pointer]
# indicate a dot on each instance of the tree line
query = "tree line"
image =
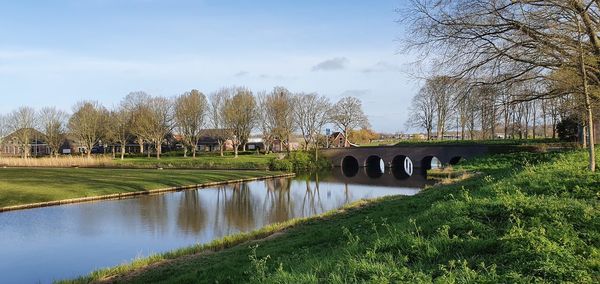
(449, 108)
(512, 52)
(231, 113)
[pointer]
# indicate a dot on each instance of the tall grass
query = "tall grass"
(57, 162)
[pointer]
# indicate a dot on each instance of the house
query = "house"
(255, 144)
(338, 140)
(12, 146)
(210, 138)
(281, 146)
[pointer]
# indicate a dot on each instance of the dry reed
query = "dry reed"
(57, 162)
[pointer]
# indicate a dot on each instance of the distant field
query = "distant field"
(26, 185)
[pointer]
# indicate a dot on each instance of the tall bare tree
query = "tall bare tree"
(53, 124)
(216, 113)
(529, 40)
(22, 123)
(158, 121)
(119, 129)
(422, 112)
(280, 107)
(265, 121)
(311, 114)
(240, 115)
(88, 123)
(347, 114)
(190, 116)
(136, 105)
(4, 129)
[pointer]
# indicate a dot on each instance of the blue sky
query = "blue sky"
(64, 51)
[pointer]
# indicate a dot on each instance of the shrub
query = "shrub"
(299, 161)
(281, 165)
(568, 129)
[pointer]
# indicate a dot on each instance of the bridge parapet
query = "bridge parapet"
(420, 156)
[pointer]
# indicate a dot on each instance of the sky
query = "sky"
(56, 53)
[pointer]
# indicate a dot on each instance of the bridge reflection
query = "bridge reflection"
(376, 176)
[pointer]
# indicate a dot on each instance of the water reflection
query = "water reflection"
(59, 242)
(191, 216)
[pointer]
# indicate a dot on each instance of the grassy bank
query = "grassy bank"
(526, 218)
(26, 185)
(204, 161)
(295, 161)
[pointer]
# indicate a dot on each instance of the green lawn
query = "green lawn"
(29, 185)
(203, 161)
(526, 218)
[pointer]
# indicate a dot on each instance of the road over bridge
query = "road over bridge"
(407, 157)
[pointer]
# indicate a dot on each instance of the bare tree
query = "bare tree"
(443, 90)
(216, 112)
(53, 125)
(4, 128)
(530, 40)
(190, 116)
(22, 124)
(136, 105)
(422, 112)
(311, 114)
(240, 115)
(265, 121)
(280, 106)
(158, 121)
(87, 124)
(347, 114)
(118, 130)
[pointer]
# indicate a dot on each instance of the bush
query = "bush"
(568, 129)
(299, 161)
(281, 165)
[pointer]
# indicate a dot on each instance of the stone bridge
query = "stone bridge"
(405, 158)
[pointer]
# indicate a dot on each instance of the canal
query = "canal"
(52, 243)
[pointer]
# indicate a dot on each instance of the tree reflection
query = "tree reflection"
(154, 213)
(238, 208)
(191, 215)
(311, 203)
(277, 202)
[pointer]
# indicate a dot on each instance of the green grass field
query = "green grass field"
(203, 161)
(526, 218)
(29, 185)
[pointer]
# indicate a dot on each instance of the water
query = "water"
(52, 243)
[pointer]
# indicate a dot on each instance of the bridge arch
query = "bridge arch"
(455, 160)
(430, 162)
(402, 167)
(350, 166)
(374, 166)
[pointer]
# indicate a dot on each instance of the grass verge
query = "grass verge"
(527, 217)
(20, 186)
(204, 161)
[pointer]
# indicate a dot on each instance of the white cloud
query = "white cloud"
(337, 63)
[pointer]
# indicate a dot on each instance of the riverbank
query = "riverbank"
(22, 188)
(527, 217)
(246, 161)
